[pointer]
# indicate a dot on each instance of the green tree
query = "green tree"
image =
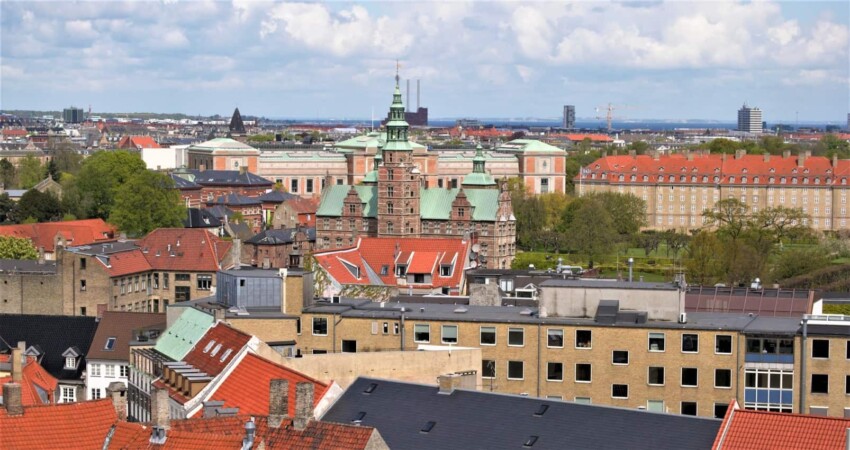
(729, 215)
(17, 248)
(30, 172)
(7, 209)
(798, 261)
(703, 263)
(67, 160)
(830, 145)
(591, 231)
(723, 146)
(640, 147)
(8, 174)
(627, 211)
(100, 177)
(147, 201)
(38, 206)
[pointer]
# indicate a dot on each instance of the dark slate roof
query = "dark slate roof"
(220, 212)
(828, 330)
(200, 218)
(276, 197)
(54, 335)
(239, 230)
(183, 181)
(236, 124)
(484, 420)
(607, 284)
(234, 199)
(27, 266)
(228, 178)
(280, 237)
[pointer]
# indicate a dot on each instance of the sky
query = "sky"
(650, 59)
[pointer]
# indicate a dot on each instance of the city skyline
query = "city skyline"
(652, 60)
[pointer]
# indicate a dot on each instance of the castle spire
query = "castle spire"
(478, 161)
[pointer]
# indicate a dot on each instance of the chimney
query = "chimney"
(243, 170)
(723, 157)
(740, 153)
(118, 393)
(278, 402)
(41, 255)
(202, 167)
(603, 153)
(633, 153)
(689, 154)
(834, 161)
(12, 399)
(767, 157)
(250, 429)
(786, 153)
(17, 364)
(236, 253)
(159, 416)
(656, 155)
(303, 405)
(801, 159)
(459, 380)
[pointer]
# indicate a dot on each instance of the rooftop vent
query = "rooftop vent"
(525, 312)
(460, 310)
(371, 388)
(542, 410)
(359, 417)
(530, 441)
(428, 426)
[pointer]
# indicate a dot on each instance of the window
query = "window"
(820, 348)
(620, 357)
(298, 325)
(488, 368)
(515, 370)
(69, 394)
(555, 371)
(488, 335)
(293, 186)
(204, 282)
(83, 263)
(655, 406)
(583, 339)
(723, 345)
(125, 371)
(421, 332)
(516, 337)
(110, 344)
(555, 338)
(95, 393)
(320, 326)
(449, 334)
(182, 293)
(109, 370)
(583, 373)
(620, 390)
(820, 383)
(847, 384)
(95, 370)
(395, 327)
(82, 285)
(165, 281)
(690, 343)
(309, 186)
(689, 376)
(689, 408)
(349, 346)
(720, 410)
(70, 362)
(722, 378)
(385, 328)
(182, 277)
(656, 342)
(656, 376)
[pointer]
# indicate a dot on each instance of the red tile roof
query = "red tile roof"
(193, 249)
(14, 132)
(420, 254)
(578, 137)
(137, 142)
(33, 378)
(124, 263)
(760, 430)
(710, 169)
(77, 425)
(208, 355)
(74, 232)
(247, 387)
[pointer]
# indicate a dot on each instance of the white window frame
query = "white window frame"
(522, 364)
(443, 329)
(70, 362)
(95, 370)
(649, 344)
(554, 331)
(68, 394)
(589, 347)
(628, 358)
(313, 326)
(715, 378)
(731, 345)
(481, 334)
(513, 329)
(682, 348)
(575, 373)
(620, 384)
(428, 326)
(682, 378)
(663, 378)
(562, 372)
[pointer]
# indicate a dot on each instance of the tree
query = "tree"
(8, 174)
(729, 216)
(7, 209)
(798, 261)
(17, 248)
(640, 147)
(591, 230)
(30, 172)
(702, 262)
(147, 201)
(830, 145)
(37, 206)
(780, 221)
(627, 211)
(67, 160)
(100, 176)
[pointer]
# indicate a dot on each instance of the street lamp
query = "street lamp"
(631, 264)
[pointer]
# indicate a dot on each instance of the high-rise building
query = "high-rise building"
(750, 120)
(73, 115)
(569, 117)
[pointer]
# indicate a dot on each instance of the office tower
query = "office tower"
(73, 115)
(569, 117)
(749, 119)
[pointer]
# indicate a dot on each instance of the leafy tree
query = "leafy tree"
(147, 201)
(8, 174)
(729, 216)
(780, 221)
(798, 261)
(627, 211)
(591, 230)
(830, 145)
(675, 240)
(30, 172)
(237, 217)
(648, 240)
(53, 170)
(640, 147)
(702, 262)
(17, 248)
(37, 206)
(7, 208)
(67, 160)
(723, 146)
(100, 177)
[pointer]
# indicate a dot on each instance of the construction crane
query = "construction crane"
(609, 114)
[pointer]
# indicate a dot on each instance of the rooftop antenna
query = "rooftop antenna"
(372, 127)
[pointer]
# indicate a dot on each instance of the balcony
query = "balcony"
(769, 358)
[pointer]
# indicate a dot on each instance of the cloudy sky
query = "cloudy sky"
(662, 60)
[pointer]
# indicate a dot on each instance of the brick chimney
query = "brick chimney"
(834, 162)
(12, 391)
(459, 380)
(740, 153)
(786, 154)
(801, 159)
(633, 153)
(17, 364)
(767, 157)
(160, 417)
(278, 402)
(303, 405)
(656, 155)
(117, 391)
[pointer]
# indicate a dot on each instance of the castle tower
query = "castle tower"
(398, 177)
(478, 178)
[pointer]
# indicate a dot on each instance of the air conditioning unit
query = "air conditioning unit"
(683, 317)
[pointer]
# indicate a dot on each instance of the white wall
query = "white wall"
(101, 381)
(164, 158)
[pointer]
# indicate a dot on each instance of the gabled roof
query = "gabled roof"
(281, 237)
(77, 425)
(476, 419)
(334, 196)
(125, 263)
(236, 124)
(120, 325)
(761, 430)
(186, 249)
(276, 197)
(228, 178)
(74, 232)
(235, 199)
(200, 218)
(216, 349)
(41, 330)
(138, 142)
(247, 386)
(182, 335)
(37, 386)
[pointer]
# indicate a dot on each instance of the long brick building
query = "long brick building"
(678, 188)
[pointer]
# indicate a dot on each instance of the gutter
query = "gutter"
(803, 352)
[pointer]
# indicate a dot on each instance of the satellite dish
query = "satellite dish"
(476, 247)
(473, 256)
(473, 264)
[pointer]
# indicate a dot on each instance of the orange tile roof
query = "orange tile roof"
(247, 387)
(33, 377)
(124, 263)
(760, 430)
(193, 249)
(221, 338)
(578, 137)
(77, 425)
(14, 132)
(76, 232)
(137, 142)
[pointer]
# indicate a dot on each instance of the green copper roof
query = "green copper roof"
(436, 203)
(371, 177)
(180, 337)
(333, 198)
(375, 139)
(478, 179)
(529, 146)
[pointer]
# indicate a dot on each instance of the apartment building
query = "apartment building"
(678, 188)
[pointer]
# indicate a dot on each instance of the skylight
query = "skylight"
(209, 346)
(215, 350)
(428, 426)
(530, 441)
(226, 354)
(359, 417)
(371, 388)
(110, 344)
(542, 410)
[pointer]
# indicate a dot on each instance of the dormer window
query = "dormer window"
(445, 270)
(731, 179)
(70, 362)
(683, 169)
(633, 178)
(794, 170)
(716, 170)
(744, 170)
(744, 180)
(646, 178)
(634, 168)
(401, 270)
(705, 178)
(755, 179)
(817, 180)
(672, 178)
(661, 169)
(805, 170)
(660, 178)
(782, 180)
(693, 178)
(621, 178)
(772, 170)
(794, 180)
(805, 180)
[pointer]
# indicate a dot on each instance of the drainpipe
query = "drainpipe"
(738, 364)
(334, 332)
(401, 330)
(538, 359)
(802, 409)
